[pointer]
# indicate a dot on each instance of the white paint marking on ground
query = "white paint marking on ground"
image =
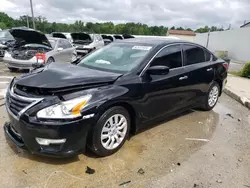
(4, 82)
(8, 77)
(198, 139)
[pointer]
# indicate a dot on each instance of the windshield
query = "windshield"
(52, 42)
(6, 34)
(116, 57)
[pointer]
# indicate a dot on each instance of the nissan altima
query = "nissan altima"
(60, 109)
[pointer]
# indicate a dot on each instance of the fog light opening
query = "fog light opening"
(46, 142)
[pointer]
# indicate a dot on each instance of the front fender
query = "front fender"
(103, 97)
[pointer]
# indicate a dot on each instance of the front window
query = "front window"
(116, 57)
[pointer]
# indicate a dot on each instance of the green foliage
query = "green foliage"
(79, 26)
(8, 21)
(246, 70)
(3, 25)
(206, 29)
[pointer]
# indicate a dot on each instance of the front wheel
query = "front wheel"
(110, 132)
(211, 97)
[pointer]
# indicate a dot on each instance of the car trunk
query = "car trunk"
(81, 38)
(28, 43)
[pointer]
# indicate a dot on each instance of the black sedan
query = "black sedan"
(61, 109)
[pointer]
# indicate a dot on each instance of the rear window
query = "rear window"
(193, 54)
(59, 35)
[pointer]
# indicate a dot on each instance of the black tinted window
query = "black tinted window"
(207, 55)
(169, 56)
(193, 54)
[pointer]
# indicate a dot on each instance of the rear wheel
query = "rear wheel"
(110, 132)
(211, 97)
(13, 69)
(50, 60)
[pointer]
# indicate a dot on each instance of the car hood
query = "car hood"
(30, 36)
(62, 75)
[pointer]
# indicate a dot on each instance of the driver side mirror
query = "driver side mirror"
(158, 70)
(59, 49)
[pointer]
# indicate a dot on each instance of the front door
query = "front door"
(68, 50)
(61, 54)
(165, 93)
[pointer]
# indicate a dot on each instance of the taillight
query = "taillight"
(41, 57)
(226, 65)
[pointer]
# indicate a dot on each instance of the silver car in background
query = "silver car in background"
(86, 43)
(33, 47)
(63, 35)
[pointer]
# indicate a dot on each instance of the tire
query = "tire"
(211, 98)
(50, 60)
(103, 146)
(13, 69)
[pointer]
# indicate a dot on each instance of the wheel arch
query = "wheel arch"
(220, 82)
(130, 109)
(50, 57)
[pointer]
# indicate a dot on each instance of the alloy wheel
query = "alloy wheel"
(114, 131)
(213, 96)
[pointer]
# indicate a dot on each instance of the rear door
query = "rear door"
(166, 93)
(200, 68)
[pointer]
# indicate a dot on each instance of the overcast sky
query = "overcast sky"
(185, 13)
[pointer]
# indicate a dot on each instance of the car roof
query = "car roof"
(152, 41)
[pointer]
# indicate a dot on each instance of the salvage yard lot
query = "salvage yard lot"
(163, 156)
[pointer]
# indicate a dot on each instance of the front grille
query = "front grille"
(17, 104)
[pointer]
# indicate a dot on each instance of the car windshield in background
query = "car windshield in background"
(117, 57)
(6, 34)
(52, 42)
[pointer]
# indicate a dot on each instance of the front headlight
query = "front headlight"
(65, 110)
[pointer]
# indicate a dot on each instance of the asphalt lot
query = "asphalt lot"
(167, 155)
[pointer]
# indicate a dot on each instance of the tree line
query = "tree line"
(44, 26)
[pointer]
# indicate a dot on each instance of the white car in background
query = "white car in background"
(33, 47)
(63, 35)
(86, 43)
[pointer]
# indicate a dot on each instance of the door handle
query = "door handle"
(183, 78)
(209, 69)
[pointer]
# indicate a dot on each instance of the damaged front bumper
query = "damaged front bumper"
(24, 135)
